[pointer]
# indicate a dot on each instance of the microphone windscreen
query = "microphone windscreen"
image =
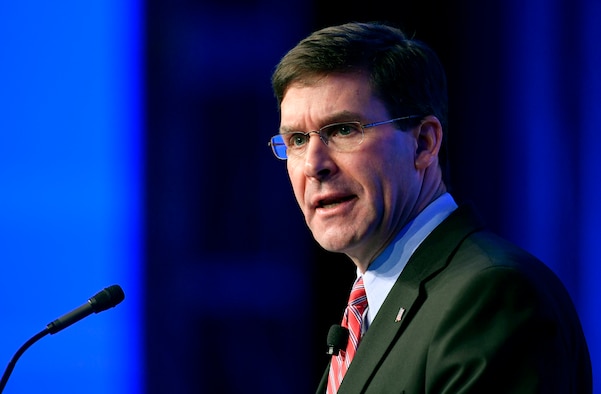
(107, 298)
(337, 339)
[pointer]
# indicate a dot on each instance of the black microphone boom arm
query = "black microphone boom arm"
(103, 300)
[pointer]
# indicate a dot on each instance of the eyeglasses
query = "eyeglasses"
(341, 137)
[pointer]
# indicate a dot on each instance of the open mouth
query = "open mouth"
(329, 203)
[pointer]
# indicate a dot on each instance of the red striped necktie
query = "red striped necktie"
(353, 320)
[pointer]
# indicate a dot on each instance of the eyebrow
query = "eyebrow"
(337, 117)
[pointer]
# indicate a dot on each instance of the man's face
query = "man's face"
(353, 202)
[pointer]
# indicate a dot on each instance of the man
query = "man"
(451, 307)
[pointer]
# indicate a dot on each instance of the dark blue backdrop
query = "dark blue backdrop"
(134, 152)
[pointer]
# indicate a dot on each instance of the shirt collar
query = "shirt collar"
(383, 272)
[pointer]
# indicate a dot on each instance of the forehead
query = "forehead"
(331, 98)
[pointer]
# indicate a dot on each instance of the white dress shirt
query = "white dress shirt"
(383, 272)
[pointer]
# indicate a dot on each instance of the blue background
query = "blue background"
(133, 151)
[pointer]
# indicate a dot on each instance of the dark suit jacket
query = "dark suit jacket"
(481, 316)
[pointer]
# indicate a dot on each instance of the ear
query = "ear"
(429, 140)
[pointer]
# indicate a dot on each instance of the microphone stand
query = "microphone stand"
(15, 358)
(103, 300)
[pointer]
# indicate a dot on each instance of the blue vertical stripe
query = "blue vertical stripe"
(553, 106)
(590, 173)
(71, 191)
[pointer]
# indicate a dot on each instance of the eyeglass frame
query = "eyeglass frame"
(272, 143)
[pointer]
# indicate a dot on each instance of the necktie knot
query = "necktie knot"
(353, 315)
(358, 298)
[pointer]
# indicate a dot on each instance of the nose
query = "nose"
(318, 159)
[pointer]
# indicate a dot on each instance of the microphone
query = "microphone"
(337, 339)
(103, 300)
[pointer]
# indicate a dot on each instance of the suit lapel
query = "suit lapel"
(430, 258)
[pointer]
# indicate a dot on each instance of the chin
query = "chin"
(336, 244)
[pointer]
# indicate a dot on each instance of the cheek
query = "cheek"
(390, 174)
(399, 159)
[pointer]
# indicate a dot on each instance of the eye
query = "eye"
(296, 140)
(342, 130)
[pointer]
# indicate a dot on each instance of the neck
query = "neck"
(426, 197)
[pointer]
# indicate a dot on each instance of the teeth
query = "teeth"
(329, 205)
